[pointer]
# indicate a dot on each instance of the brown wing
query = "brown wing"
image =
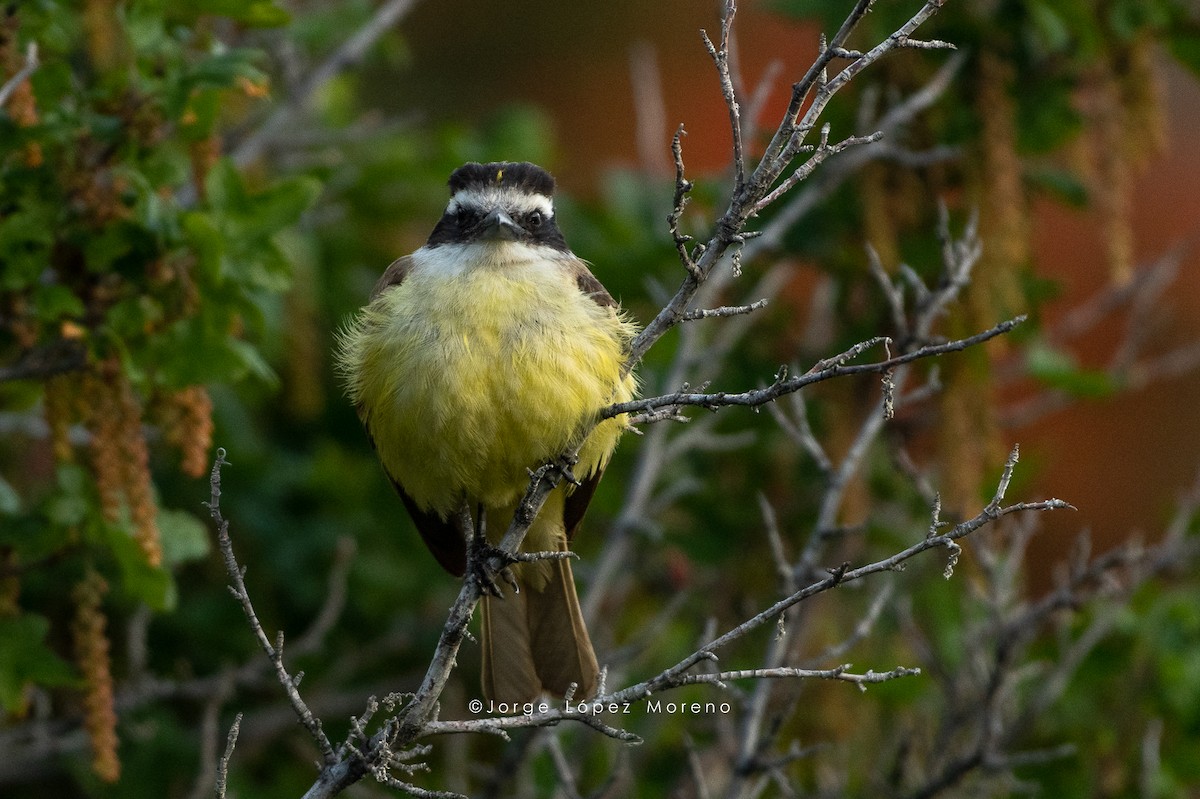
(393, 276)
(577, 503)
(578, 500)
(590, 286)
(444, 539)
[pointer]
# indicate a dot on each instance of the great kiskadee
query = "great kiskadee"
(487, 352)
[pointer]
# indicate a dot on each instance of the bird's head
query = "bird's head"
(500, 202)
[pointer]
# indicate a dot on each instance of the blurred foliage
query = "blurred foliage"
(156, 297)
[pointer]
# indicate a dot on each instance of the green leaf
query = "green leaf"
(1087, 33)
(139, 580)
(144, 28)
(221, 69)
(1043, 361)
(1050, 28)
(1066, 186)
(54, 301)
(1130, 18)
(1047, 115)
(203, 106)
(70, 505)
(207, 243)
(282, 204)
(259, 13)
(132, 316)
(224, 188)
(1059, 370)
(251, 361)
(262, 212)
(272, 271)
(27, 226)
(25, 238)
(10, 500)
(102, 249)
(25, 659)
(1185, 46)
(184, 537)
(213, 355)
(53, 80)
(159, 217)
(265, 15)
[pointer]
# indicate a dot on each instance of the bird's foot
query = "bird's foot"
(563, 467)
(488, 565)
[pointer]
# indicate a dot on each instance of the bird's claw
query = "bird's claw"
(491, 564)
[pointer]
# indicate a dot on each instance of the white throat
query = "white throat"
(460, 259)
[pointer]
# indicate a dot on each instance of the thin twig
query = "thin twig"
(787, 142)
(274, 651)
(283, 119)
(210, 773)
(683, 187)
(223, 766)
(22, 74)
(351, 52)
(842, 673)
(724, 311)
(562, 768)
(788, 385)
(720, 57)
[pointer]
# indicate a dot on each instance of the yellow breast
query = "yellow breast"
(468, 378)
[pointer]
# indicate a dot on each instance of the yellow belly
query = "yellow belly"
(468, 380)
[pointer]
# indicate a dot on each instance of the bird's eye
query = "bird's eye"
(534, 220)
(463, 217)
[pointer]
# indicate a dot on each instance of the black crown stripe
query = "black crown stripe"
(502, 174)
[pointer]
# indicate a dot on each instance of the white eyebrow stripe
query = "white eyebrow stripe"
(511, 200)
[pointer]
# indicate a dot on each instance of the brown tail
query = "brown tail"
(536, 641)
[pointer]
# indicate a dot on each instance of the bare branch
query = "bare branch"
(682, 187)
(1128, 369)
(211, 770)
(223, 767)
(823, 150)
(824, 370)
(801, 431)
(786, 143)
(696, 769)
(351, 52)
(273, 651)
(927, 44)
(335, 598)
(720, 57)
(678, 675)
(47, 360)
(283, 119)
(724, 311)
(22, 74)
(673, 676)
(836, 171)
(566, 779)
(842, 673)
(861, 630)
(771, 523)
(649, 105)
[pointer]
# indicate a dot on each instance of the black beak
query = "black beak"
(499, 226)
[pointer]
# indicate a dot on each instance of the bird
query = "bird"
(484, 354)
